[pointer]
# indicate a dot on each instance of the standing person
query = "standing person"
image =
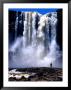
(51, 65)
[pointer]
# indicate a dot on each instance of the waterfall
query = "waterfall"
(16, 25)
(39, 49)
(34, 14)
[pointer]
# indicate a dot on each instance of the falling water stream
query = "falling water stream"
(36, 48)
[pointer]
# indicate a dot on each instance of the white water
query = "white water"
(30, 50)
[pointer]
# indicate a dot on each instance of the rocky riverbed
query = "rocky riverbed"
(35, 74)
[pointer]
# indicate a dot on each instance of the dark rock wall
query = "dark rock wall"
(59, 28)
(12, 18)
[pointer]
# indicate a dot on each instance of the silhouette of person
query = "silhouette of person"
(51, 65)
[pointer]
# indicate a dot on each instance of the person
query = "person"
(51, 65)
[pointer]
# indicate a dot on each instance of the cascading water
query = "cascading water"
(36, 48)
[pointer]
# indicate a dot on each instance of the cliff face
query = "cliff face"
(59, 28)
